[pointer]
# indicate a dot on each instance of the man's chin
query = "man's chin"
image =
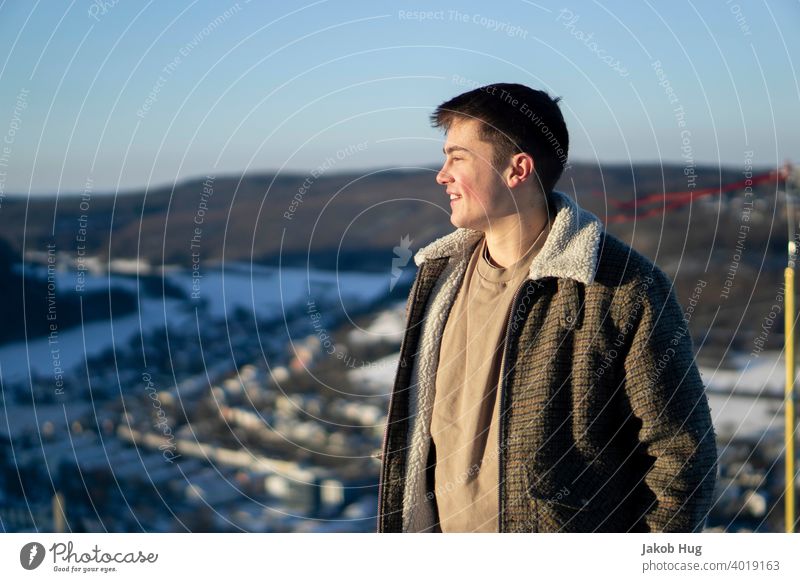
(458, 222)
(461, 223)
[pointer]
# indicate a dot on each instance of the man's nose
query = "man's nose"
(443, 178)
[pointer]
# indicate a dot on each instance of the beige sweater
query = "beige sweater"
(464, 421)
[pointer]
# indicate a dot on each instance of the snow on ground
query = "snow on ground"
(67, 279)
(762, 375)
(743, 400)
(268, 291)
(744, 417)
(387, 326)
(75, 344)
(378, 377)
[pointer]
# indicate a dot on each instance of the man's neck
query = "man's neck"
(510, 238)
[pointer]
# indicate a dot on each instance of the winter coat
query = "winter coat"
(604, 422)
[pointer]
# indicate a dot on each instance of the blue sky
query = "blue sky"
(130, 94)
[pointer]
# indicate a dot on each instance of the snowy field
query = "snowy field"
(745, 401)
(263, 292)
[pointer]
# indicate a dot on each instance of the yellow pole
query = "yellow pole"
(58, 513)
(789, 400)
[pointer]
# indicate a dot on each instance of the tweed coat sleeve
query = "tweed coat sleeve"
(667, 399)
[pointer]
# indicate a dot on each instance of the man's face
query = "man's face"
(482, 194)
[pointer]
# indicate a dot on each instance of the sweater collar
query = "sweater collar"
(570, 250)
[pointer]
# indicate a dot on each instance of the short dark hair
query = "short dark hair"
(515, 119)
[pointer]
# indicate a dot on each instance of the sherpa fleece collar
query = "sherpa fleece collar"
(570, 250)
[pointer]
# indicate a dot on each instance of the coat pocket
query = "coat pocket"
(560, 505)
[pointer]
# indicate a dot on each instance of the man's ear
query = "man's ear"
(520, 169)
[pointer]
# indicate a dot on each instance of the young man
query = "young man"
(546, 378)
